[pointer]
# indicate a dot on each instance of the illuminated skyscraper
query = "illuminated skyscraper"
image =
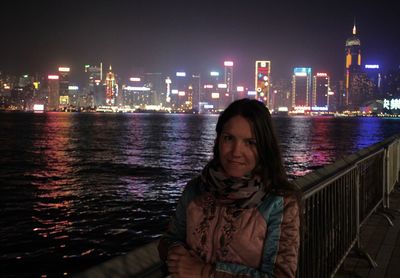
(94, 75)
(320, 96)
(301, 87)
(229, 76)
(154, 81)
(54, 92)
(197, 98)
(179, 90)
(111, 88)
(352, 71)
(262, 80)
(63, 73)
(374, 73)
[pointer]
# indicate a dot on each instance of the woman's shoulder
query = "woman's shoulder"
(193, 188)
(194, 184)
(273, 202)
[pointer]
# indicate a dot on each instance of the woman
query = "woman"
(241, 216)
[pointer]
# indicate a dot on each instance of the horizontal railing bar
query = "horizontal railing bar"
(320, 186)
(369, 156)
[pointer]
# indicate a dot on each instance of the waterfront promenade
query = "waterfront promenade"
(382, 242)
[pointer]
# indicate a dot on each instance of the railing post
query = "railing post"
(359, 249)
(397, 168)
(386, 177)
(358, 208)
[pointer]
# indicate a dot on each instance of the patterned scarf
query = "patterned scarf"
(244, 192)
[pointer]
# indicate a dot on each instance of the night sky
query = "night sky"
(195, 36)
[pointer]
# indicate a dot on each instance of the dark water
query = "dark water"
(79, 189)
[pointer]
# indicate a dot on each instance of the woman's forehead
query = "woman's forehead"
(240, 125)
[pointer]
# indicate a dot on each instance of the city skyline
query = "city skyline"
(196, 37)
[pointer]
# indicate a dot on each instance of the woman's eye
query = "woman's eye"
(251, 142)
(227, 137)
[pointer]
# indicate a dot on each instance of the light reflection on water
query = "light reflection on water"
(82, 188)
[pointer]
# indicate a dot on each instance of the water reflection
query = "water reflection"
(370, 126)
(81, 188)
(54, 182)
(309, 143)
(294, 134)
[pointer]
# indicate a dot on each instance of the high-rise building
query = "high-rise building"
(54, 92)
(262, 81)
(25, 80)
(362, 91)
(95, 88)
(63, 73)
(155, 82)
(197, 98)
(229, 76)
(281, 94)
(301, 87)
(320, 92)
(391, 84)
(374, 73)
(353, 70)
(111, 88)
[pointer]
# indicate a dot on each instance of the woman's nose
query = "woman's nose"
(236, 148)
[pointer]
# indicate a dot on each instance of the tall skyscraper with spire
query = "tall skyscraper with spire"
(111, 88)
(353, 70)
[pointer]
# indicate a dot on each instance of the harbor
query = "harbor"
(83, 188)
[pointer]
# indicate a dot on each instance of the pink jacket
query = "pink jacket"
(257, 242)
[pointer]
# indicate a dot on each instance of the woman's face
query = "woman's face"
(237, 147)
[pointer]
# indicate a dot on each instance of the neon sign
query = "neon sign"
(181, 74)
(391, 104)
(63, 69)
(372, 66)
(302, 71)
(214, 95)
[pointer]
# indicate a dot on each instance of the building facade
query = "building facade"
(353, 71)
(262, 81)
(320, 92)
(301, 88)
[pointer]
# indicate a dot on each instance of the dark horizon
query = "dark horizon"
(160, 36)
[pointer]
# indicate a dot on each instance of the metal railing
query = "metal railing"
(392, 172)
(337, 200)
(329, 224)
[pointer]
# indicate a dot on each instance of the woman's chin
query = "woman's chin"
(235, 173)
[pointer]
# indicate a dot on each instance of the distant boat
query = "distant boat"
(281, 113)
(125, 109)
(106, 108)
(114, 109)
